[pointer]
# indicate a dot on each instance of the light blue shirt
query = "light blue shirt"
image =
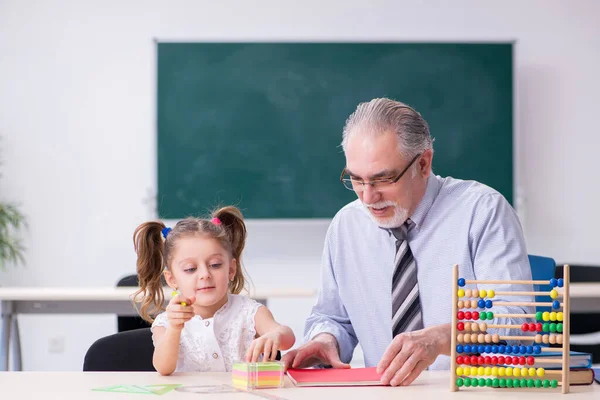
(456, 222)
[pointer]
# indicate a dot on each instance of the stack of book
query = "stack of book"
(581, 372)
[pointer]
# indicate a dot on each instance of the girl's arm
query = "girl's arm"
(166, 349)
(166, 339)
(272, 336)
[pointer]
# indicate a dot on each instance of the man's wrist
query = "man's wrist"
(444, 340)
(326, 337)
(329, 340)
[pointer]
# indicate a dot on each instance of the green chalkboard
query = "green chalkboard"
(259, 124)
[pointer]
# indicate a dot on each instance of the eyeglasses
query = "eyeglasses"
(378, 184)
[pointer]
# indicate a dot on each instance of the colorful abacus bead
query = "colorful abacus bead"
(538, 327)
(553, 294)
(532, 326)
(546, 316)
(538, 338)
(461, 282)
(555, 305)
(538, 316)
(530, 360)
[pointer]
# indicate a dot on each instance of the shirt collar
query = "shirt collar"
(434, 183)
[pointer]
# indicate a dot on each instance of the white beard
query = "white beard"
(400, 214)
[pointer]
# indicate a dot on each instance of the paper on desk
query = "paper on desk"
(140, 389)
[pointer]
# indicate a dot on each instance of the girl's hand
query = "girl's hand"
(179, 314)
(268, 345)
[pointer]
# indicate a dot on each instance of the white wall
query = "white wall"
(78, 143)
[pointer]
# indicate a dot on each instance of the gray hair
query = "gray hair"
(384, 115)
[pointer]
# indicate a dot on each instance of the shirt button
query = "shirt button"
(215, 356)
(207, 323)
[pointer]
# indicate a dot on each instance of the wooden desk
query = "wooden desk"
(585, 297)
(108, 300)
(79, 385)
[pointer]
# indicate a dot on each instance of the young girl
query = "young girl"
(207, 326)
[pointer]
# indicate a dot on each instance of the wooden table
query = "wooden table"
(65, 300)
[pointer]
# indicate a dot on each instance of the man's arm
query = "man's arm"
(329, 314)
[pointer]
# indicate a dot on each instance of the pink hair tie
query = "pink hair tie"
(216, 221)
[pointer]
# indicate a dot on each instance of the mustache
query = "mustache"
(381, 204)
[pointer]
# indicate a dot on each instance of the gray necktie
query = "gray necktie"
(406, 308)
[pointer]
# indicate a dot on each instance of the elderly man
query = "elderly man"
(388, 256)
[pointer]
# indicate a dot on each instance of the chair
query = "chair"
(130, 323)
(123, 351)
(542, 269)
(585, 327)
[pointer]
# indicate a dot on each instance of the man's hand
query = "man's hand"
(410, 353)
(322, 349)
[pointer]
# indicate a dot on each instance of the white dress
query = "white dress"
(214, 344)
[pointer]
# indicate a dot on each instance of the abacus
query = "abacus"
(480, 359)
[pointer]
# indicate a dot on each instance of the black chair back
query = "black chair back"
(123, 351)
(130, 323)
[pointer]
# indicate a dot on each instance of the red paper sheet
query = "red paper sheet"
(335, 377)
